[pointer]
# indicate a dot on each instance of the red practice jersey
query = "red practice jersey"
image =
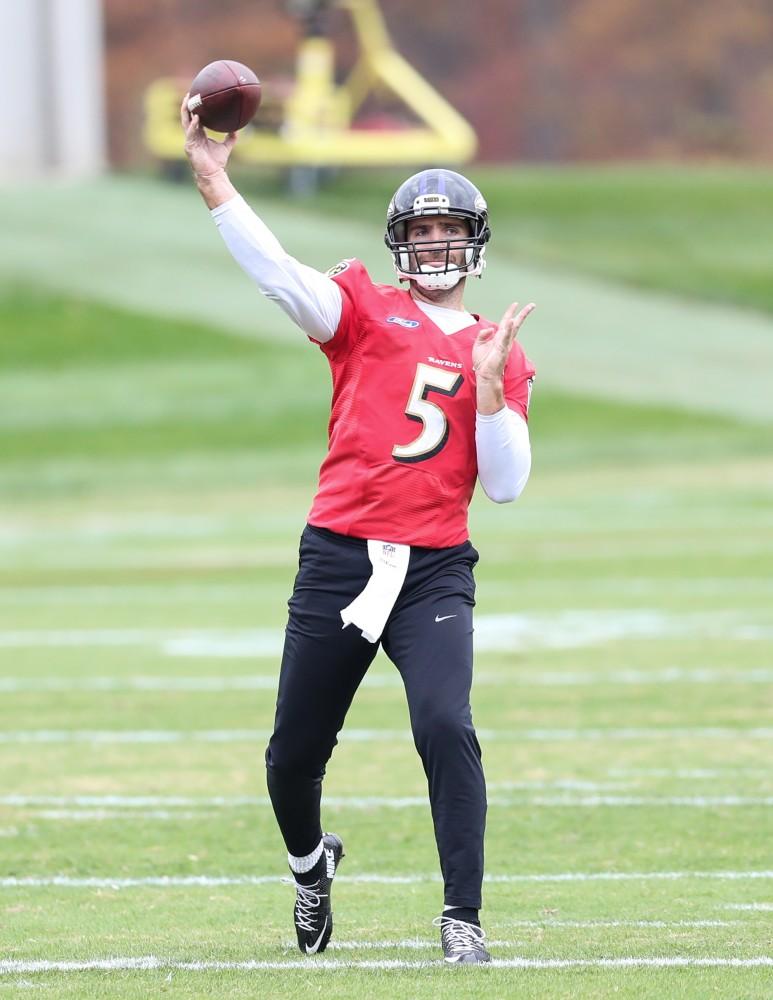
(401, 465)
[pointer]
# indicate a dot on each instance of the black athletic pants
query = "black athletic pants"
(429, 639)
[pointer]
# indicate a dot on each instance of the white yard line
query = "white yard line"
(431, 944)
(631, 801)
(193, 685)
(213, 881)
(171, 642)
(139, 736)
(145, 592)
(493, 633)
(578, 924)
(87, 637)
(108, 815)
(761, 907)
(142, 593)
(558, 784)
(29, 531)
(268, 682)
(152, 963)
(134, 801)
(126, 526)
(687, 773)
(110, 685)
(163, 807)
(638, 677)
(594, 735)
(546, 924)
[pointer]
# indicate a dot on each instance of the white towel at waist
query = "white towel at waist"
(371, 607)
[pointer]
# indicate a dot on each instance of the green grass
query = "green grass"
(155, 476)
(53, 333)
(575, 242)
(695, 231)
(88, 381)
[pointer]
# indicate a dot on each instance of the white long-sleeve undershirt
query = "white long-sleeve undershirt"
(313, 302)
(311, 299)
(504, 454)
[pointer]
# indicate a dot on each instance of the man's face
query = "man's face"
(435, 231)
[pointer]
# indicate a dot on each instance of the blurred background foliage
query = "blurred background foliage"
(540, 80)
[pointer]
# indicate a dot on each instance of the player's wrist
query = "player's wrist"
(209, 177)
(490, 397)
(491, 377)
(214, 187)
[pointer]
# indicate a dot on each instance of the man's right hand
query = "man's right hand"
(207, 158)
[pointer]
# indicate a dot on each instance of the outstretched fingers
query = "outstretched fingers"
(521, 316)
(509, 315)
(512, 321)
(493, 344)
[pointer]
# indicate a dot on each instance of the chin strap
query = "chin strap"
(440, 280)
(432, 279)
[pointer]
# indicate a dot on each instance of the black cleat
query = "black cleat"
(462, 942)
(312, 913)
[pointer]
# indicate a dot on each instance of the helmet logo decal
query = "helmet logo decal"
(426, 204)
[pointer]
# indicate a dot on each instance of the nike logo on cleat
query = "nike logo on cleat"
(312, 949)
(442, 618)
(330, 862)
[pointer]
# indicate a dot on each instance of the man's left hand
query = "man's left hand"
(489, 357)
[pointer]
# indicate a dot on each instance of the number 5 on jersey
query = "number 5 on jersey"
(434, 432)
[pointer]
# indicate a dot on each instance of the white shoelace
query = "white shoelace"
(459, 936)
(308, 902)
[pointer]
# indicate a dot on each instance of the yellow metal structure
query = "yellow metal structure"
(317, 116)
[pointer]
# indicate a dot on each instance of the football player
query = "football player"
(427, 398)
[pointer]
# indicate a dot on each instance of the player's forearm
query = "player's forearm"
(489, 395)
(215, 188)
(311, 299)
(504, 454)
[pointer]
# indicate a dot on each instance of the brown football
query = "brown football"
(225, 95)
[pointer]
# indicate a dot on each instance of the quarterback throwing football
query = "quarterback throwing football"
(427, 398)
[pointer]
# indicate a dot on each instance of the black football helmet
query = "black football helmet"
(437, 192)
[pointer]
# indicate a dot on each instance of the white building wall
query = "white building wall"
(21, 137)
(51, 52)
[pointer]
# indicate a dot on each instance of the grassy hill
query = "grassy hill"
(625, 266)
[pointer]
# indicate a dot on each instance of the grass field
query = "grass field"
(156, 472)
